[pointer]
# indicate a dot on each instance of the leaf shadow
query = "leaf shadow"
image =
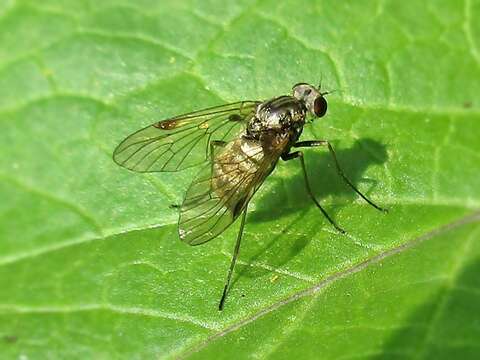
(451, 317)
(324, 181)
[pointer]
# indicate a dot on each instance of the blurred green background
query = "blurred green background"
(90, 262)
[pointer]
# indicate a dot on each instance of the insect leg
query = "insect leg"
(299, 154)
(340, 172)
(234, 259)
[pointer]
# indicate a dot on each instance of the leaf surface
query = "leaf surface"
(90, 261)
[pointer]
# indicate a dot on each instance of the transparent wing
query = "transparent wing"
(183, 141)
(220, 192)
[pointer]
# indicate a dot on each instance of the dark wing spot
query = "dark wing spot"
(166, 124)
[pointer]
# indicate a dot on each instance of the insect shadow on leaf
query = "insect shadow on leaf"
(324, 179)
(275, 259)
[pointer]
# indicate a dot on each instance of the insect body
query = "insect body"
(240, 143)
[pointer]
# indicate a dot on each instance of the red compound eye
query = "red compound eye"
(320, 106)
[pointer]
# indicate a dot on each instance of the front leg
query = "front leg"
(312, 143)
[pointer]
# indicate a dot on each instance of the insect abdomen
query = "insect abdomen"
(235, 170)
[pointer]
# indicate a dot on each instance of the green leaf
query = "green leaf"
(90, 261)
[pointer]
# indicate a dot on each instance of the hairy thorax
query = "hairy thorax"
(283, 116)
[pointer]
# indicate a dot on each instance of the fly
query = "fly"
(241, 144)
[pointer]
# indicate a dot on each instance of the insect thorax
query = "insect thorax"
(284, 115)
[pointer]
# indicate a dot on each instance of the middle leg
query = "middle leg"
(299, 154)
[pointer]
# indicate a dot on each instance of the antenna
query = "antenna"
(321, 80)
